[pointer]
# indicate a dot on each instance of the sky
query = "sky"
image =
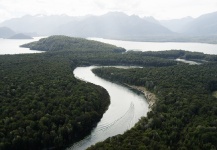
(159, 9)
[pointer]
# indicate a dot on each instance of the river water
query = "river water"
(125, 110)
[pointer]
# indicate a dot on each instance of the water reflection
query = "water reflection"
(125, 110)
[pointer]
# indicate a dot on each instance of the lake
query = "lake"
(12, 46)
(160, 46)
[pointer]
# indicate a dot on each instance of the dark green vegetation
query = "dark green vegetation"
(44, 106)
(185, 115)
(64, 43)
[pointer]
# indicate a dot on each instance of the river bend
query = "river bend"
(125, 110)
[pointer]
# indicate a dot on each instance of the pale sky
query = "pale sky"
(159, 9)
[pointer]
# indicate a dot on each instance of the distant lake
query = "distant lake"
(160, 46)
(12, 46)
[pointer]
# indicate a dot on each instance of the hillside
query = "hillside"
(117, 25)
(65, 43)
(203, 25)
(176, 25)
(6, 32)
(39, 24)
(112, 25)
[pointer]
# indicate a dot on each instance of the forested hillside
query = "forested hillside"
(185, 114)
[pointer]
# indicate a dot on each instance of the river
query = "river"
(126, 106)
(125, 110)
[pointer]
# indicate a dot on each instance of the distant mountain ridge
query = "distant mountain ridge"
(176, 25)
(6, 32)
(41, 24)
(203, 25)
(113, 25)
(117, 25)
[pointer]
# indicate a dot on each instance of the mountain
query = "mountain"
(151, 19)
(176, 25)
(203, 25)
(40, 24)
(112, 25)
(20, 36)
(6, 32)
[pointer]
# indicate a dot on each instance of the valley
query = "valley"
(45, 106)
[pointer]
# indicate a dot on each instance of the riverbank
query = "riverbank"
(151, 98)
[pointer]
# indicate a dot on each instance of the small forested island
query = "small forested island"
(20, 36)
(43, 106)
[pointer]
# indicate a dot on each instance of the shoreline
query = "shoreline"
(150, 97)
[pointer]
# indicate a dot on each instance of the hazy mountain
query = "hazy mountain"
(112, 25)
(41, 24)
(6, 32)
(176, 25)
(20, 36)
(151, 19)
(203, 25)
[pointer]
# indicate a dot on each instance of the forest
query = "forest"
(44, 106)
(184, 115)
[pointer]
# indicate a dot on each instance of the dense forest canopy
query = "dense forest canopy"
(63, 43)
(44, 106)
(185, 114)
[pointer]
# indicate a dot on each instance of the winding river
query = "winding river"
(125, 110)
(126, 107)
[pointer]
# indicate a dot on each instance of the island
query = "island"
(20, 36)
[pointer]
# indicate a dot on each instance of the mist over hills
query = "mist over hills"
(117, 25)
(176, 25)
(112, 25)
(6, 32)
(203, 25)
(40, 24)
